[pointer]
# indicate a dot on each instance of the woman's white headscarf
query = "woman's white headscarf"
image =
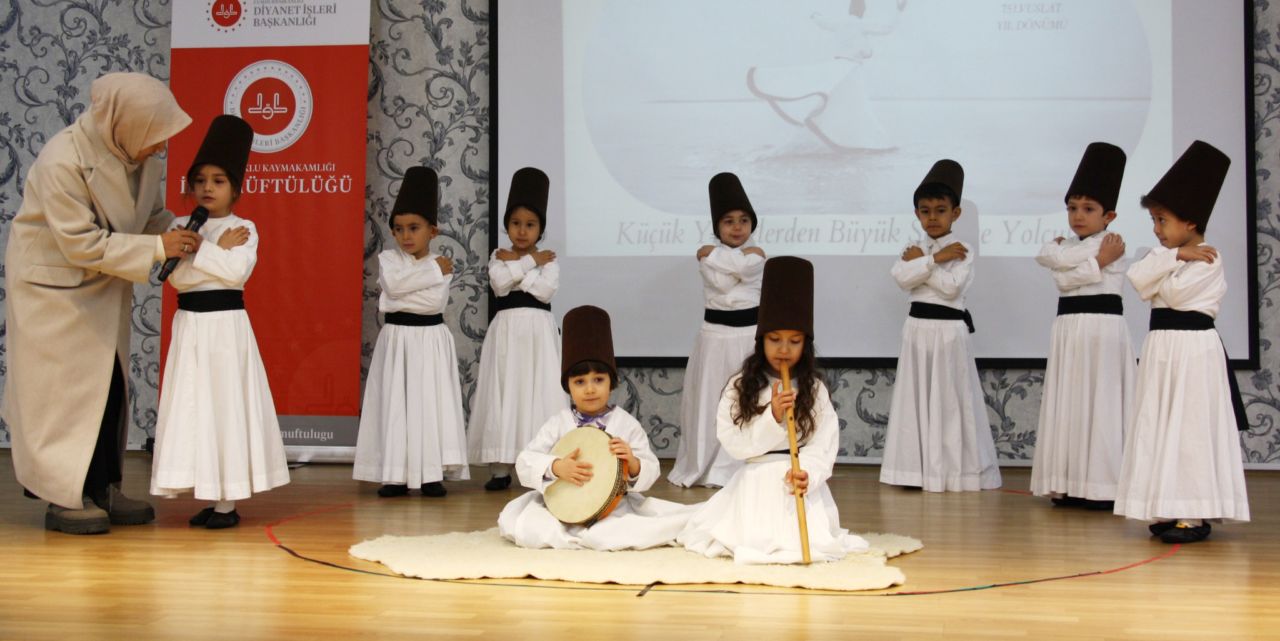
(133, 111)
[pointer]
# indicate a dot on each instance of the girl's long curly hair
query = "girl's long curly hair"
(755, 378)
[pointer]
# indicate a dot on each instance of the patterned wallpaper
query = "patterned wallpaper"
(429, 104)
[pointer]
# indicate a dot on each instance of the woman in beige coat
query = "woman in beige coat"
(88, 228)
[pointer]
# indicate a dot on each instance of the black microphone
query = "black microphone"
(198, 218)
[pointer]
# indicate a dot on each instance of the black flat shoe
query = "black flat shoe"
(1098, 506)
(221, 521)
(388, 491)
(1159, 527)
(434, 489)
(1184, 534)
(498, 483)
(1067, 501)
(201, 517)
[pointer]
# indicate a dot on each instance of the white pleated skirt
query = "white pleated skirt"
(1182, 457)
(1089, 388)
(638, 523)
(938, 437)
(519, 384)
(718, 352)
(216, 433)
(411, 423)
(753, 519)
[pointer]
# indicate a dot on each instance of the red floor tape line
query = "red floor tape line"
(271, 535)
(270, 527)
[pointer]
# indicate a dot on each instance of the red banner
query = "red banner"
(304, 188)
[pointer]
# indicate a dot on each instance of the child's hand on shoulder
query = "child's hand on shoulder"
(1202, 253)
(446, 265)
(797, 481)
(754, 250)
(506, 254)
(1111, 250)
(782, 401)
(954, 251)
(622, 450)
(571, 469)
(234, 237)
(913, 252)
(543, 257)
(705, 251)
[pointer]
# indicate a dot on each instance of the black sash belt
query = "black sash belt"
(786, 451)
(1164, 318)
(213, 300)
(1110, 304)
(731, 317)
(930, 311)
(517, 299)
(413, 320)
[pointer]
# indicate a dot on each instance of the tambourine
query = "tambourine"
(587, 503)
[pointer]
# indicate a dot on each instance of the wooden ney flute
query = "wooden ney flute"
(795, 468)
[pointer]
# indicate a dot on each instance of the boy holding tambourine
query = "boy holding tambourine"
(589, 374)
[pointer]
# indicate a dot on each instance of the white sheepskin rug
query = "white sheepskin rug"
(479, 555)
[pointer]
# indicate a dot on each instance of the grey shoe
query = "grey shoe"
(90, 519)
(126, 511)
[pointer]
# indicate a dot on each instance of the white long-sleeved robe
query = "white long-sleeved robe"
(730, 281)
(1182, 454)
(753, 519)
(519, 381)
(1090, 380)
(216, 430)
(411, 421)
(637, 523)
(938, 436)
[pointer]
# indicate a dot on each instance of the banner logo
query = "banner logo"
(275, 99)
(224, 15)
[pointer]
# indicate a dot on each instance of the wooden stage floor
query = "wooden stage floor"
(169, 581)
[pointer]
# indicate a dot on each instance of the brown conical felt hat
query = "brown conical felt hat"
(1099, 174)
(587, 336)
(226, 145)
(530, 188)
(1190, 188)
(945, 172)
(419, 194)
(786, 296)
(728, 195)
